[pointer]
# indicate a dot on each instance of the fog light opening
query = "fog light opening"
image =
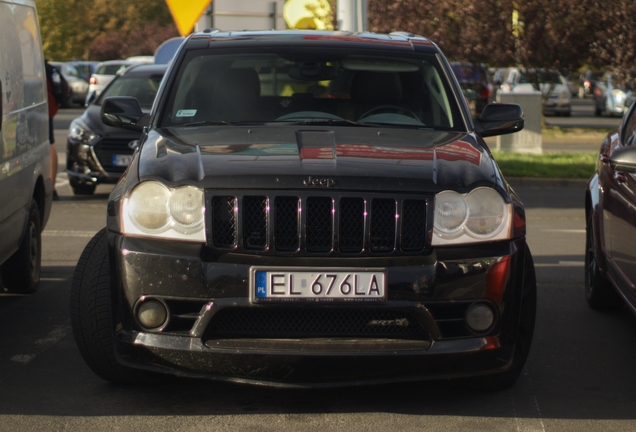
(152, 314)
(479, 317)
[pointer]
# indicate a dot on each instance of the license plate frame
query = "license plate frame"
(122, 160)
(360, 289)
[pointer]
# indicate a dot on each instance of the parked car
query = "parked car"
(611, 99)
(97, 153)
(26, 188)
(474, 79)
(610, 209)
(105, 73)
(78, 87)
(553, 86)
(84, 68)
(309, 209)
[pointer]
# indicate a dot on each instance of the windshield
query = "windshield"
(312, 86)
(144, 89)
(110, 69)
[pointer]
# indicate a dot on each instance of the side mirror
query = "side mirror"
(124, 112)
(499, 119)
(624, 159)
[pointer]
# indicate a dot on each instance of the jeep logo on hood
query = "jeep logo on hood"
(317, 181)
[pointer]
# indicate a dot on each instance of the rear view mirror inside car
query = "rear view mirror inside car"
(312, 71)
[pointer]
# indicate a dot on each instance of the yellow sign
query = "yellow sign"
(186, 13)
(308, 14)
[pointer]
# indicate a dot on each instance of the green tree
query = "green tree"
(69, 27)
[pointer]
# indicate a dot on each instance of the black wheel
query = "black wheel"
(525, 331)
(92, 314)
(21, 272)
(83, 189)
(599, 292)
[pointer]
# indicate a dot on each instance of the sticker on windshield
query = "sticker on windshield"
(186, 113)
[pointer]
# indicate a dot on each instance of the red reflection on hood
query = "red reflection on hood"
(456, 151)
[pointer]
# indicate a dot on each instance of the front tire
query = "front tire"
(21, 272)
(599, 292)
(92, 314)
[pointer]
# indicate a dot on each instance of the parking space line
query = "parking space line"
(55, 335)
(68, 233)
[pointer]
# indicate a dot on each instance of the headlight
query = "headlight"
(481, 215)
(78, 131)
(618, 96)
(154, 210)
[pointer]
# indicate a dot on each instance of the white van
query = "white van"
(25, 180)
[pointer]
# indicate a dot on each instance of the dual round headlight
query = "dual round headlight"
(154, 209)
(481, 214)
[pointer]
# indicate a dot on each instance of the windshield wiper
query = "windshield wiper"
(330, 122)
(206, 123)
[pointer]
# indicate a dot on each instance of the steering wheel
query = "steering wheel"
(395, 108)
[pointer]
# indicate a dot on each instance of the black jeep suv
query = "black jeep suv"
(309, 209)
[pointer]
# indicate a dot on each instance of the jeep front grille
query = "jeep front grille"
(318, 224)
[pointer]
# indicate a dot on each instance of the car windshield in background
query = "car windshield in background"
(313, 87)
(547, 77)
(111, 69)
(144, 89)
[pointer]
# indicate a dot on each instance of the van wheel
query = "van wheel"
(21, 272)
(83, 189)
(92, 314)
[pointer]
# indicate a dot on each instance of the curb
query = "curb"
(547, 182)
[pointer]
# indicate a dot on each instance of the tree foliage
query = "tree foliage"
(548, 33)
(70, 27)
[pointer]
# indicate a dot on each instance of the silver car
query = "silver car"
(552, 85)
(105, 73)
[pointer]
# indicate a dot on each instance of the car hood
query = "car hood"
(292, 157)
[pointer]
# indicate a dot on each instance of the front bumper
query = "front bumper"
(93, 164)
(433, 290)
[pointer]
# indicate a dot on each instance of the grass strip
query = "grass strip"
(548, 165)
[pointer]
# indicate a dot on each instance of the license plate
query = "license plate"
(122, 160)
(318, 285)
